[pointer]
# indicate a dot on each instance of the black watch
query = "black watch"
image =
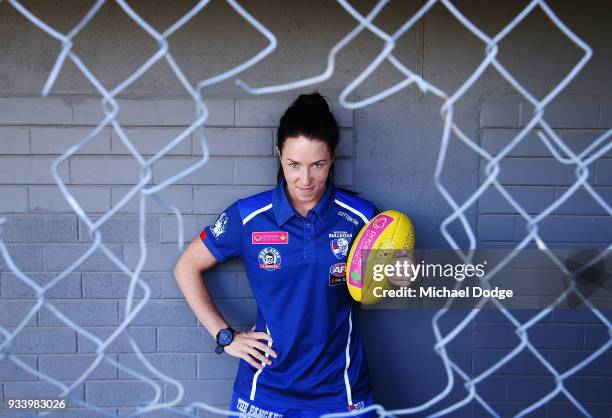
(224, 337)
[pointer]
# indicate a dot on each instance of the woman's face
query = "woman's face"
(306, 164)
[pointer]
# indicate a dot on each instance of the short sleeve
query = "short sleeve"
(224, 237)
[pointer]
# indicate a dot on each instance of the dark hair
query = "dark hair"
(309, 116)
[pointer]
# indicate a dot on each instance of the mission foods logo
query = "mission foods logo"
(337, 274)
(270, 237)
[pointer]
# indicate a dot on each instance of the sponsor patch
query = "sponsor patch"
(269, 259)
(339, 247)
(220, 226)
(270, 237)
(337, 274)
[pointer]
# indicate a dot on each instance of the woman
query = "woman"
(304, 354)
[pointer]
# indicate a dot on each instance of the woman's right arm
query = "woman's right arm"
(188, 275)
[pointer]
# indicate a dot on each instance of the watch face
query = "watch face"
(225, 337)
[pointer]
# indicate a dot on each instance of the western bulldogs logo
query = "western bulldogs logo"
(339, 247)
(269, 259)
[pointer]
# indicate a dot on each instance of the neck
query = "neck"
(303, 207)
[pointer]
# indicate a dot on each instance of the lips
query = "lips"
(307, 190)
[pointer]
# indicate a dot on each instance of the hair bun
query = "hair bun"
(313, 99)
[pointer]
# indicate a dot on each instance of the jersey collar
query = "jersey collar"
(283, 210)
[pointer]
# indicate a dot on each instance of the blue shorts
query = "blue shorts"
(257, 409)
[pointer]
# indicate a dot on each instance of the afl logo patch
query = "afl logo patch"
(337, 274)
(269, 259)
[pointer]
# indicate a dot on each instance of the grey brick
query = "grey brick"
(118, 393)
(13, 199)
(343, 172)
(34, 111)
(559, 229)
(14, 141)
(122, 229)
(213, 366)
(28, 170)
(243, 287)
(115, 285)
(163, 313)
(81, 312)
(59, 257)
(236, 141)
(13, 372)
(40, 229)
(529, 388)
(215, 199)
(13, 287)
(179, 196)
(536, 171)
(602, 229)
(215, 171)
(70, 366)
(149, 141)
(178, 366)
(346, 144)
(563, 360)
(185, 340)
(57, 140)
(220, 284)
(256, 171)
(50, 199)
(25, 257)
(523, 363)
(258, 112)
(160, 257)
(605, 119)
(159, 112)
(568, 112)
(207, 414)
(80, 412)
(171, 412)
(169, 231)
(582, 203)
(44, 341)
(604, 173)
(12, 313)
(495, 228)
(556, 336)
(532, 199)
(104, 170)
(491, 336)
(213, 392)
(500, 112)
(39, 390)
(595, 336)
(579, 139)
(145, 337)
(495, 140)
(238, 312)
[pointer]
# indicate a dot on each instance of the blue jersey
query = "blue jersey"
(296, 267)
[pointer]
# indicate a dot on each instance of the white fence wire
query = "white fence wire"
(111, 108)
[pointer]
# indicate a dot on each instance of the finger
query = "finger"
(246, 357)
(263, 347)
(262, 336)
(259, 356)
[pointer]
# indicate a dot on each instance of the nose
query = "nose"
(304, 179)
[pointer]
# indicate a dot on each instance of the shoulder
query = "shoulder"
(252, 206)
(358, 206)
